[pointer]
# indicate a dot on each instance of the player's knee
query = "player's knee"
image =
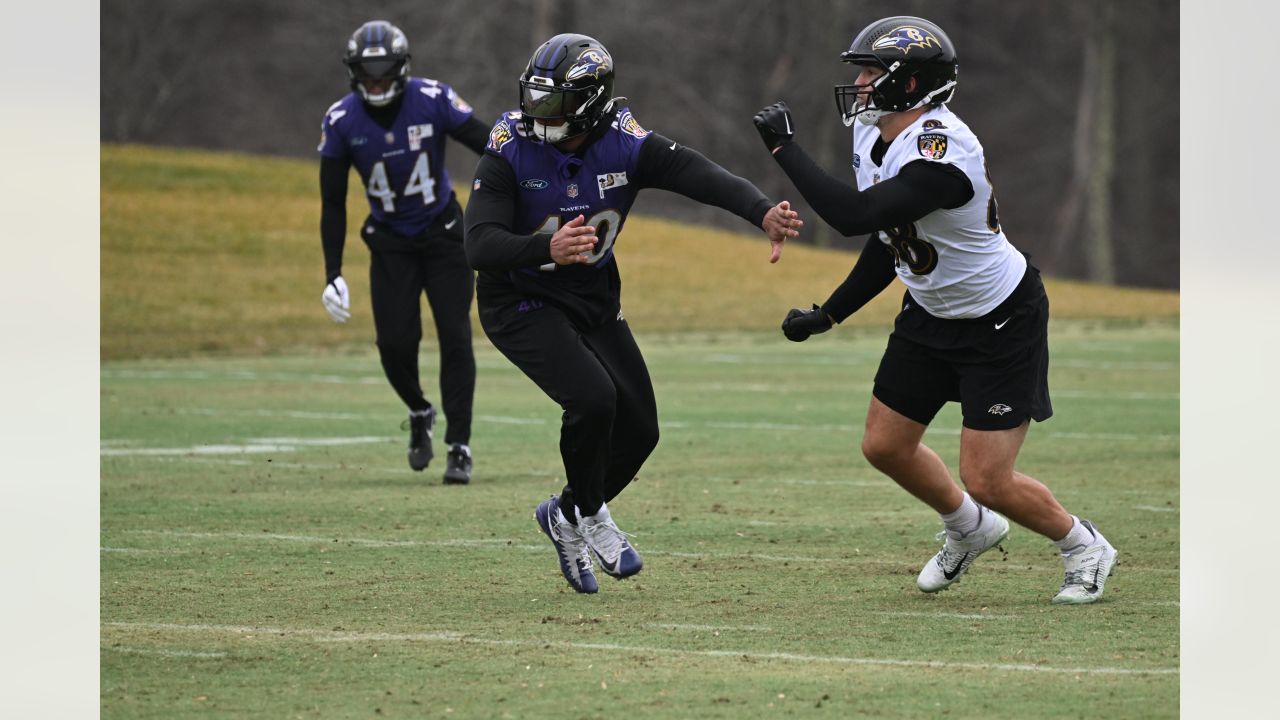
(880, 451)
(985, 485)
(398, 352)
(596, 407)
(454, 338)
(646, 437)
(390, 344)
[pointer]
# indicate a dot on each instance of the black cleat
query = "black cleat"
(457, 470)
(420, 452)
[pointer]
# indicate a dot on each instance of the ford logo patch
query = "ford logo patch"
(533, 184)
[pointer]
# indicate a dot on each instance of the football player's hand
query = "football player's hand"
(800, 324)
(573, 242)
(337, 300)
(780, 223)
(775, 126)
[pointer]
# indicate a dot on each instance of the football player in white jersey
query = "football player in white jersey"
(974, 321)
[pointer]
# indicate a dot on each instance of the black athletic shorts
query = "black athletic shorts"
(995, 366)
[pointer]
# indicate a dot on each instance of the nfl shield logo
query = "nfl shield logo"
(572, 190)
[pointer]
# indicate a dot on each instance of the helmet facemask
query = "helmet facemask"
(906, 49)
(363, 72)
(865, 102)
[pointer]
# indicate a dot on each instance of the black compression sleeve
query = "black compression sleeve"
(872, 273)
(333, 213)
(667, 165)
(918, 189)
(472, 133)
(490, 244)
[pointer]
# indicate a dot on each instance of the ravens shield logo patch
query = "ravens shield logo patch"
(932, 146)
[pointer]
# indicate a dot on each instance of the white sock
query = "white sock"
(601, 515)
(1078, 536)
(419, 413)
(963, 519)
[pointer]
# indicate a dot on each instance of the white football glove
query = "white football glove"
(337, 300)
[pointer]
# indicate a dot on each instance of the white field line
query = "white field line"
(450, 636)
(243, 375)
(514, 544)
(360, 542)
(319, 467)
(194, 450)
(710, 628)
(270, 464)
(252, 446)
(1153, 508)
(113, 447)
(165, 653)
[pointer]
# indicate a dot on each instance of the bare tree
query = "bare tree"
(1075, 103)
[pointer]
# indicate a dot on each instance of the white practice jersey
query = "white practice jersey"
(957, 263)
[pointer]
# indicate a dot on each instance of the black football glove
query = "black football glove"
(800, 324)
(775, 126)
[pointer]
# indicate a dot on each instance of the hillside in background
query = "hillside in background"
(220, 253)
(1075, 103)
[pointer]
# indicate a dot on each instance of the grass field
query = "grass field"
(212, 253)
(266, 552)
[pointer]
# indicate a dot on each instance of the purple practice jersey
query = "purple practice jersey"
(402, 166)
(555, 187)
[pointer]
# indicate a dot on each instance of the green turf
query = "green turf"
(330, 581)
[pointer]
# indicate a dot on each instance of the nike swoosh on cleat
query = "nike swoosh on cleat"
(951, 574)
(1094, 587)
(787, 118)
(673, 146)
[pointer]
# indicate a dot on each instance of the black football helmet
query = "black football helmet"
(377, 50)
(904, 47)
(569, 78)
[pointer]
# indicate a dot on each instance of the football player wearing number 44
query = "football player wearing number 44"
(974, 321)
(549, 201)
(393, 128)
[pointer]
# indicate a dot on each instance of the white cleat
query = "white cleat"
(1087, 570)
(960, 551)
(609, 545)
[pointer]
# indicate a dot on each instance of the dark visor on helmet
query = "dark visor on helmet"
(545, 101)
(376, 69)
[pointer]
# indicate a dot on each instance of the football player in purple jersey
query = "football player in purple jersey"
(393, 127)
(549, 200)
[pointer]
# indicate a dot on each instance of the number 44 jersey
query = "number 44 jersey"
(402, 165)
(956, 262)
